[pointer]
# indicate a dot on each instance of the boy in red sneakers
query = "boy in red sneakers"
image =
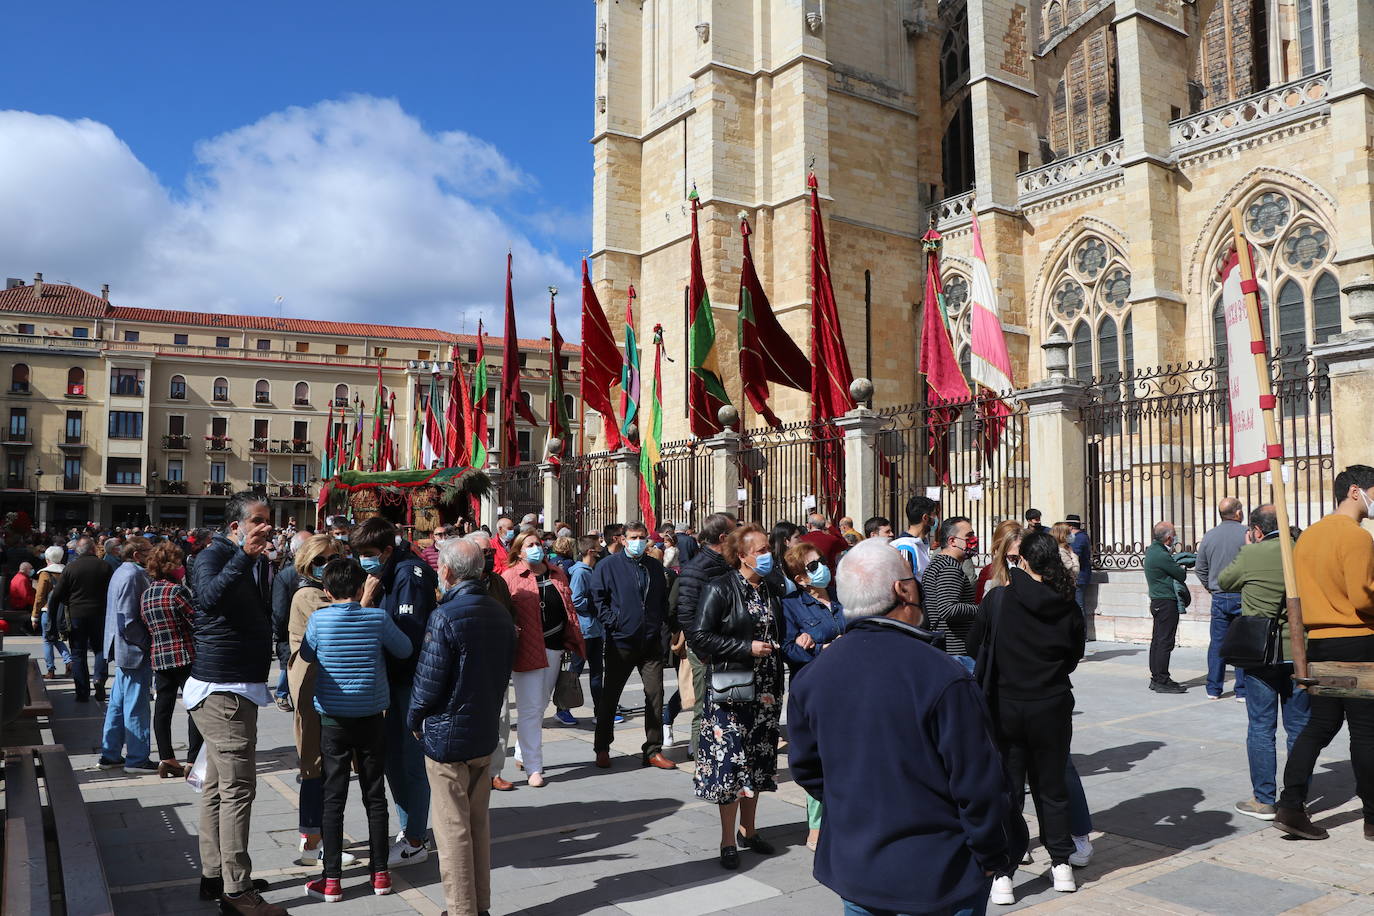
(346, 641)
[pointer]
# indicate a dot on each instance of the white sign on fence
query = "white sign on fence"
(1249, 447)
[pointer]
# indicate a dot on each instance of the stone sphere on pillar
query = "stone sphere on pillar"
(554, 446)
(861, 389)
(728, 416)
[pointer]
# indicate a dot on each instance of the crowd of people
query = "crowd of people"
(898, 662)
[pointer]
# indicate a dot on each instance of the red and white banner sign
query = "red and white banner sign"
(1249, 447)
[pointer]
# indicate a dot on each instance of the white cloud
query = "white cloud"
(350, 209)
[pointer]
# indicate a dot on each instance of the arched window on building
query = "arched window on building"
(19, 378)
(1299, 292)
(76, 382)
(262, 392)
(302, 398)
(570, 407)
(221, 389)
(1084, 110)
(176, 389)
(954, 57)
(1314, 36)
(341, 395)
(1090, 302)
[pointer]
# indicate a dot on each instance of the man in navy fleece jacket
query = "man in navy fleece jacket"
(892, 735)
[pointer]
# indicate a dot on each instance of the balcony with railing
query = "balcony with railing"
(291, 446)
(72, 442)
(292, 491)
(952, 212)
(1069, 174)
(1253, 114)
(174, 487)
(176, 443)
(17, 435)
(257, 445)
(217, 443)
(218, 488)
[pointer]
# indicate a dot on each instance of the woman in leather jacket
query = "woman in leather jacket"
(736, 631)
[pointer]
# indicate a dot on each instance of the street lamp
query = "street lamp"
(37, 485)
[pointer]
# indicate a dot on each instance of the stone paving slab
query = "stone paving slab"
(1161, 774)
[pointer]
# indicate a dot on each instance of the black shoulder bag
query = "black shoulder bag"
(1253, 642)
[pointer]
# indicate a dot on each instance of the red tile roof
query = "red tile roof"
(60, 299)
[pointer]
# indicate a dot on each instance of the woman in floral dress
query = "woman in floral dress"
(736, 631)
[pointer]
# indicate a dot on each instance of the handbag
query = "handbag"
(1253, 642)
(567, 691)
(734, 686)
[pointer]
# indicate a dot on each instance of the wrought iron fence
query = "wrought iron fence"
(786, 472)
(1158, 449)
(954, 454)
(683, 479)
(588, 488)
(521, 491)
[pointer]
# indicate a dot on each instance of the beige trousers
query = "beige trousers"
(459, 797)
(229, 724)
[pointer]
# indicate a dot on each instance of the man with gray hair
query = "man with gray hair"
(112, 554)
(460, 686)
(1161, 572)
(1217, 549)
(497, 589)
(921, 734)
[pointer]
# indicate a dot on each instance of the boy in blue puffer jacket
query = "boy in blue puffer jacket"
(346, 641)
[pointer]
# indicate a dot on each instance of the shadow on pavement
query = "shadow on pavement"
(584, 830)
(1103, 655)
(1114, 759)
(1169, 817)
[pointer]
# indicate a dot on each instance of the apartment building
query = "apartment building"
(137, 415)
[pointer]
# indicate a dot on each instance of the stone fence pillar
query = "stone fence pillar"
(626, 463)
(552, 496)
(1350, 365)
(724, 488)
(860, 427)
(491, 503)
(1057, 439)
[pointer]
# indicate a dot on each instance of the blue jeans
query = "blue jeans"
(1269, 689)
(976, 905)
(1225, 608)
(967, 661)
(312, 805)
(129, 716)
(50, 644)
(405, 768)
(1080, 818)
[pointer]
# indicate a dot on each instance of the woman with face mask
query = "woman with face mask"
(736, 632)
(310, 561)
(781, 539)
(547, 626)
(812, 620)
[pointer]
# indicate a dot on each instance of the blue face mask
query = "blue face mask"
(635, 547)
(370, 564)
(341, 538)
(534, 554)
(820, 578)
(764, 565)
(317, 570)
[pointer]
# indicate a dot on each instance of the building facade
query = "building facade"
(134, 416)
(1103, 144)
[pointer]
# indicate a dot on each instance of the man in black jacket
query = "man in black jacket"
(702, 568)
(630, 598)
(232, 630)
(83, 588)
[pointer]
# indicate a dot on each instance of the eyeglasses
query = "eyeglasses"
(1014, 559)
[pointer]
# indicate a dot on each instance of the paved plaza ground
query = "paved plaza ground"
(1161, 774)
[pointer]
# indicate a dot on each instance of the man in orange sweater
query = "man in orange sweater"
(1334, 560)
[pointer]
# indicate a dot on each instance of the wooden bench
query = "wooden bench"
(51, 859)
(38, 703)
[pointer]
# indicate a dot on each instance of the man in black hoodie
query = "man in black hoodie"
(702, 568)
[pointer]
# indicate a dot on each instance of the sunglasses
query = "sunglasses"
(814, 565)
(1014, 559)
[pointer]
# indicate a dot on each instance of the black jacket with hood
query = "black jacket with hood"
(1039, 638)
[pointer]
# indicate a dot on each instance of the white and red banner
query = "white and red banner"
(1249, 445)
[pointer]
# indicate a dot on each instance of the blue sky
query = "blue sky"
(229, 153)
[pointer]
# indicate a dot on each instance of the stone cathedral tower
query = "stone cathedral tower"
(1102, 143)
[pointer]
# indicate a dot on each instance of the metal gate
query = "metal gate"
(588, 487)
(683, 479)
(786, 472)
(1158, 448)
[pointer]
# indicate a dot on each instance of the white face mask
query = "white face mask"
(1368, 504)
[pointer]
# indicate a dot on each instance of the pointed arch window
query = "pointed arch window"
(1090, 301)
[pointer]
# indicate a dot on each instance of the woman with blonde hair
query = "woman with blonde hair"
(1006, 543)
(1063, 536)
(736, 627)
(310, 561)
(547, 627)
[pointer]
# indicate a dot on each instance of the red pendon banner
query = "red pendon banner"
(1249, 446)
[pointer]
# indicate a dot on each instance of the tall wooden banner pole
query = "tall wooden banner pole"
(1297, 634)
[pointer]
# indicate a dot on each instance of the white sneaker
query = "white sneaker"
(1063, 878)
(1083, 853)
(1002, 894)
(402, 853)
(312, 856)
(668, 735)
